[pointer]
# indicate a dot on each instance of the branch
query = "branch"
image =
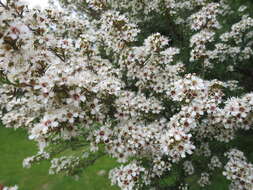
(57, 55)
(247, 71)
(3, 5)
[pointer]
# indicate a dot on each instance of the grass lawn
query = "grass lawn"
(14, 147)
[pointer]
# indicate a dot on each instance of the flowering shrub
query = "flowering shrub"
(11, 188)
(86, 83)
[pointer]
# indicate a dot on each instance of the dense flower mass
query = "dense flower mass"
(239, 170)
(127, 177)
(88, 83)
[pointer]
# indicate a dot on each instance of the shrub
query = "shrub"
(106, 83)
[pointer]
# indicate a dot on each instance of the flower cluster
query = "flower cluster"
(116, 30)
(127, 177)
(214, 163)
(176, 144)
(183, 187)
(133, 138)
(63, 164)
(131, 105)
(204, 179)
(206, 17)
(11, 188)
(188, 168)
(238, 170)
(206, 21)
(36, 158)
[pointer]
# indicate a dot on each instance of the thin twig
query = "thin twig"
(3, 5)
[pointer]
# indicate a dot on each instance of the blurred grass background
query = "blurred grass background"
(14, 147)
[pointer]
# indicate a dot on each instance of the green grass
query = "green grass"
(14, 147)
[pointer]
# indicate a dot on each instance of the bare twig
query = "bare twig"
(3, 5)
